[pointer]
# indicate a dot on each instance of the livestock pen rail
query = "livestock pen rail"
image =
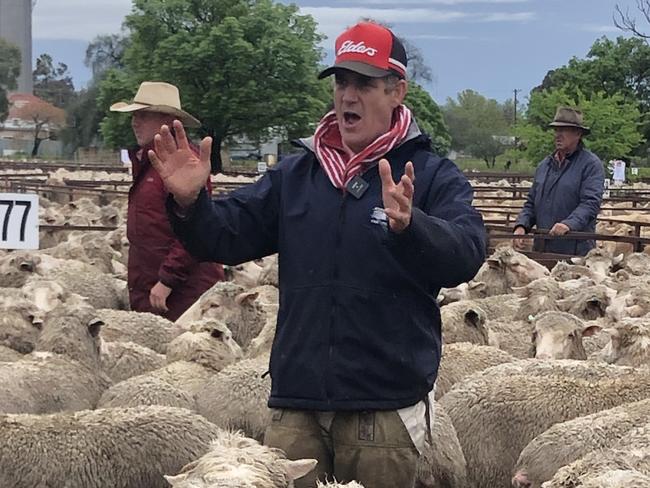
(501, 233)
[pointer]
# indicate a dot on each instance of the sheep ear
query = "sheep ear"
(94, 326)
(473, 285)
(494, 263)
(246, 298)
(591, 330)
(617, 259)
(473, 318)
(576, 261)
(301, 467)
(172, 480)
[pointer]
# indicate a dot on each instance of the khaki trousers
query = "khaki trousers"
(373, 448)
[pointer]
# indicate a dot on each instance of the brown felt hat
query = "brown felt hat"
(569, 117)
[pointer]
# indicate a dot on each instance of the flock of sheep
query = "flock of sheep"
(544, 380)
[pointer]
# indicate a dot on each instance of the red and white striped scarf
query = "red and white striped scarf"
(337, 162)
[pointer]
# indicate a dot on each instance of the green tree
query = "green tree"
(614, 123)
(9, 72)
(53, 83)
(429, 117)
(106, 52)
(611, 67)
(244, 67)
(477, 125)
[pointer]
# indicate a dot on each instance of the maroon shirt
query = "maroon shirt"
(154, 253)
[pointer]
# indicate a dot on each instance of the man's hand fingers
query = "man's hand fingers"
(205, 150)
(167, 139)
(155, 160)
(181, 137)
(407, 184)
(402, 200)
(385, 174)
(410, 171)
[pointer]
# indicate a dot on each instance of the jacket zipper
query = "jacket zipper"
(335, 304)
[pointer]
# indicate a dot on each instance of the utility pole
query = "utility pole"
(515, 114)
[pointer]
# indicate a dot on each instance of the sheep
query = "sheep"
(20, 324)
(629, 344)
(234, 305)
(122, 360)
(462, 359)
(236, 397)
(145, 390)
(63, 373)
(568, 441)
(504, 270)
(208, 343)
(193, 358)
(588, 303)
(538, 296)
(235, 461)
(633, 303)
(498, 411)
(558, 335)
(463, 321)
(143, 328)
(631, 453)
(441, 464)
(107, 448)
(351, 484)
(101, 290)
(599, 261)
(618, 478)
(637, 263)
(511, 336)
(564, 271)
(7, 355)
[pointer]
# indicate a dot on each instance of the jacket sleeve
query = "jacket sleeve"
(178, 264)
(526, 218)
(446, 239)
(240, 227)
(591, 195)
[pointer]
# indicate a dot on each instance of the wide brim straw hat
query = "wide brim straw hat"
(160, 97)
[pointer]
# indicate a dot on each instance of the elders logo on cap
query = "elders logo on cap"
(371, 50)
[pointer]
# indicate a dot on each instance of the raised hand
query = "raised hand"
(183, 172)
(397, 197)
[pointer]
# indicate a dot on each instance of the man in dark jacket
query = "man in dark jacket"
(567, 190)
(369, 224)
(163, 278)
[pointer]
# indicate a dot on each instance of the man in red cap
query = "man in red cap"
(369, 224)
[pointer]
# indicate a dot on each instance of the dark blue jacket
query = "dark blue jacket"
(571, 195)
(358, 325)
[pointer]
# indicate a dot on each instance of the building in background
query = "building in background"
(16, 27)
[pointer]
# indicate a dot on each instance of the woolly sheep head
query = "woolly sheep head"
(600, 261)
(558, 335)
(208, 342)
(235, 461)
(21, 323)
(72, 330)
(629, 344)
(507, 268)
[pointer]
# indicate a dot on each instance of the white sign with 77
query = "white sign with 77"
(18, 221)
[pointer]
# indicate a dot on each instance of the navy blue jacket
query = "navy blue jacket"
(571, 195)
(358, 324)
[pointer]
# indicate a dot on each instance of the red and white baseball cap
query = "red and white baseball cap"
(369, 49)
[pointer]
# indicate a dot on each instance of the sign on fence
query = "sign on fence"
(635, 171)
(18, 221)
(261, 167)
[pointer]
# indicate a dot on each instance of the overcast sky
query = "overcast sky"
(492, 46)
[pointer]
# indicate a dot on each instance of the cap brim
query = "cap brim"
(357, 67)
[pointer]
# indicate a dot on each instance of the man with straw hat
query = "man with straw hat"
(163, 278)
(566, 192)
